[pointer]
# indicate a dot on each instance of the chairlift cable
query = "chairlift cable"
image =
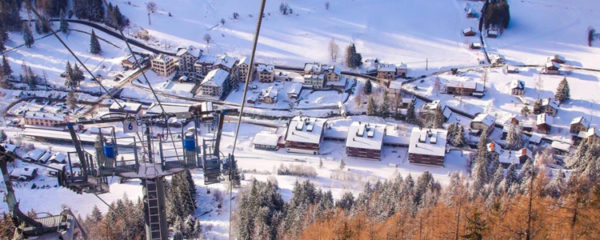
(237, 129)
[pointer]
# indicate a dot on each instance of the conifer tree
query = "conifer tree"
(94, 44)
(27, 35)
(64, 25)
(514, 140)
(368, 87)
(385, 106)
(562, 92)
(235, 173)
(71, 99)
(69, 81)
(6, 67)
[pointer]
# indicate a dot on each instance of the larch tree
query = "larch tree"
(334, 49)
(94, 44)
(476, 226)
(371, 106)
(562, 92)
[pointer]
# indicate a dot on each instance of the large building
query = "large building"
(163, 65)
(187, 58)
(266, 73)
(242, 68)
(427, 146)
(305, 135)
(483, 121)
(43, 118)
(214, 84)
(365, 140)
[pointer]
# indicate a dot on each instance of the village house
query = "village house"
(315, 81)
(269, 95)
(550, 106)
(163, 65)
(187, 57)
(129, 62)
(578, 124)
(266, 141)
(204, 64)
(508, 157)
(365, 140)
(560, 148)
(266, 73)
(557, 59)
(225, 62)
(475, 45)
(332, 73)
(305, 135)
(496, 59)
(482, 122)
(427, 146)
(517, 87)
(294, 90)
(542, 123)
(312, 68)
(492, 33)
(131, 108)
(429, 109)
(386, 71)
(44, 119)
(242, 68)
(214, 84)
(551, 68)
(465, 88)
(23, 174)
(468, 32)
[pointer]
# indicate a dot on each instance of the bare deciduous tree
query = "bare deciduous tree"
(207, 38)
(334, 49)
(151, 7)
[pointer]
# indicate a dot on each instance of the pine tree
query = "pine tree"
(94, 44)
(513, 138)
(71, 99)
(371, 106)
(438, 119)
(480, 167)
(353, 59)
(77, 75)
(456, 135)
(235, 173)
(368, 87)
(69, 81)
(64, 25)
(27, 35)
(411, 117)
(346, 202)
(31, 78)
(475, 226)
(6, 67)
(385, 106)
(3, 36)
(562, 92)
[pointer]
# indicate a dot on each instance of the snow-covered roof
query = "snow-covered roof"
(468, 30)
(194, 51)
(580, 120)
(535, 138)
(127, 107)
(485, 119)
(314, 76)
(215, 78)
(35, 154)
(550, 64)
(427, 141)
(270, 92)
(305, 130)
(245, 61)
(295, 89)
(312, 67)
(155, 108)
(382, 67)
(9, 147)
(561, 146)
(433, 105)
(207, 59)
(557, 57)
(365, 135)
(466, 85)
(590, 132)
(520, 84)
(266, 138)
(45, 116)
(23, 172)
(58, 156)
(396, 85)
(162, 58)
(227, 61)
(265, 68)
(549, 102)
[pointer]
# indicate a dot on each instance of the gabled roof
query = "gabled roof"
(215, 78)
(365, 135)
(580, 120)
(265, 68)
(245, 61)
(485, 119)
(270, 92)
(552, 64)
(266, 138)
(162, 58)
(45, 116)
(189, 50)
(127, 107)
(382, 67)
(549, 102)
(520, 84)
(312, 67)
